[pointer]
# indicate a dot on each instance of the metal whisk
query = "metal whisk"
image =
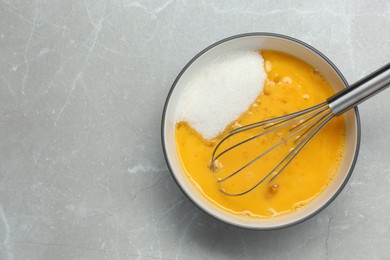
(303, 125)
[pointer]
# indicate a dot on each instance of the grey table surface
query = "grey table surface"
(83, 84)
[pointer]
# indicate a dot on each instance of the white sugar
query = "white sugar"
(222, 91)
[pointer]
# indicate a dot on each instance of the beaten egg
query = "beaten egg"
(291, 85)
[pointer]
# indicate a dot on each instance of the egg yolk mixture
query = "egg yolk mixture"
(291, 85)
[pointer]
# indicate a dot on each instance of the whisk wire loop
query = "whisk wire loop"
(314, 117)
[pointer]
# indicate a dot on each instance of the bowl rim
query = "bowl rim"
(330, 63)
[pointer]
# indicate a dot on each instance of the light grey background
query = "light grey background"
(82, 88)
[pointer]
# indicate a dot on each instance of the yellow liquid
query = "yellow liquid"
(291, 85)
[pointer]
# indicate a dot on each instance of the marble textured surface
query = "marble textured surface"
(82, 87)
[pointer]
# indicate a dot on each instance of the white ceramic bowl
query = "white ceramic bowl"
(258, 41)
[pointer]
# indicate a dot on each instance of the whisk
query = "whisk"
(302, 125)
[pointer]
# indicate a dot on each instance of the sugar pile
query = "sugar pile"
(222, 91)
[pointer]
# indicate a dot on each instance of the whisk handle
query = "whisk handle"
(360, 91)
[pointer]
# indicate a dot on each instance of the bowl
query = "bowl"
(257, 41)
